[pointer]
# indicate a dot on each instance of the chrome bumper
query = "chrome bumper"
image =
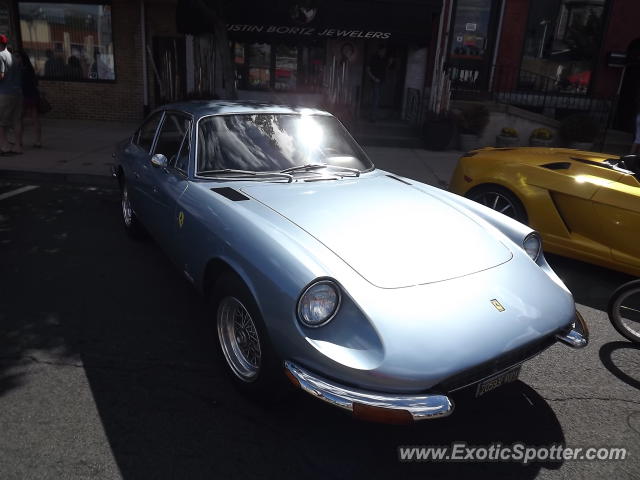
(370, 405)
(578, 336)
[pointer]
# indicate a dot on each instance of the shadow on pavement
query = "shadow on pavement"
(147, 347)
(606, 356)
(590, 285)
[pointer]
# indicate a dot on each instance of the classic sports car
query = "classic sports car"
(585, 205)
(373, 292)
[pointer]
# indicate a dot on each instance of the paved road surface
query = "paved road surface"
(108, 370)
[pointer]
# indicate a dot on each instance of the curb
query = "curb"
(58, 178)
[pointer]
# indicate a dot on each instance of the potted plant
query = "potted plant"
(472, 120)
(508, 138)
(438, 131)
(541, 137)
(579, 131)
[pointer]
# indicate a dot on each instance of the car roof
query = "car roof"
(202, 108)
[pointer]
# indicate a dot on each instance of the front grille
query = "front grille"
(495, 365)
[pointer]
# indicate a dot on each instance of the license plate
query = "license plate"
(497, 381)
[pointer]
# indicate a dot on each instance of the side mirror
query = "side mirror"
(159, 161)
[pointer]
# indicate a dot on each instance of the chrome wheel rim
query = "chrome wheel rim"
(126, 207)
(239, 339)
(498, 202)
(628, 310)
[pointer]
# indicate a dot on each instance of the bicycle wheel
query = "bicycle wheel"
(624, 310)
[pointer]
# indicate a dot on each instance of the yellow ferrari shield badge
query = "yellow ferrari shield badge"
(497, 304)
(181, 219)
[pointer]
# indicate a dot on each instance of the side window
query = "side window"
(144, 137)
(173, 131)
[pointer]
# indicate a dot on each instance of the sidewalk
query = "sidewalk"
(83, 148)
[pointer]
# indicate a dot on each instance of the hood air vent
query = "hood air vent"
(557, 166)
(230, 193)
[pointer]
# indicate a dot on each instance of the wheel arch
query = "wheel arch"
(215, 268)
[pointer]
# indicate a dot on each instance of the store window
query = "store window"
(282, 67)
(68, 41)
(561, 44)
(5, 21)
(471, 29)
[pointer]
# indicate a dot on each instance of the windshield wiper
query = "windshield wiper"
(316, 166)
(243, 173)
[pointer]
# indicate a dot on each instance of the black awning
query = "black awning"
(406, 20)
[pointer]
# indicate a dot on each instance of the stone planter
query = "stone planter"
(505, 142)
(588, 146)
(541, 142)
(469, 141)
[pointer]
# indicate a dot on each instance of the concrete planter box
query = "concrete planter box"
(503, 141)
(588, 146)
(469, 142)
(541, 142)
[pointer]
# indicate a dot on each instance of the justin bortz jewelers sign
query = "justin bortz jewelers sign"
(308, 31)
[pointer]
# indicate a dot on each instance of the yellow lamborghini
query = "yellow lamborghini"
(585, 205)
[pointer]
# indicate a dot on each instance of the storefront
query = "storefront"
(314, 53)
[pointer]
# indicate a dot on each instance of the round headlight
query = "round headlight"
(532, 244)
(319, 303)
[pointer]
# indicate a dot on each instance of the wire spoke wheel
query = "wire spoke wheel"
(126, 207)
(625, 312)
(239, 339)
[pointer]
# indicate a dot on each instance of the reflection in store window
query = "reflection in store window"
(286, 67)
(471, 28)
(259, 60)
(263, 66)
(68, 41)
(562, 42)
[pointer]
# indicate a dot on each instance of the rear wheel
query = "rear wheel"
(499, 199)
(130, 221)
(624, 310)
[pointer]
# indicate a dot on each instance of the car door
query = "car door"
(617, 206)
(164, 185)
(138, 156)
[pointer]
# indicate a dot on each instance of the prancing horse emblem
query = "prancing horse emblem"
(497, 304)
(181, 219)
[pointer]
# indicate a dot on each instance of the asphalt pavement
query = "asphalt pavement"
(108, 370)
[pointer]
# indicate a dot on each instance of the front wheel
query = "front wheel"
(624, 310)
(244, 343)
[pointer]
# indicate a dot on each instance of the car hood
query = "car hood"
(391, 233)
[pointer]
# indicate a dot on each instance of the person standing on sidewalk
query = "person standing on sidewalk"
(377, 70)
(10, 99)
(31, 97)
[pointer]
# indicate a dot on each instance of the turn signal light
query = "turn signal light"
(382, 415)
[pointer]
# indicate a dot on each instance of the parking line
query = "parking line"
(17, 191)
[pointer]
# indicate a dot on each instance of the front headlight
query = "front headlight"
(319, 303)
(532, 244)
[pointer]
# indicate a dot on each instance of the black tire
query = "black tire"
(624, 310)
(230, 296)
(129, 219)
(500, 199)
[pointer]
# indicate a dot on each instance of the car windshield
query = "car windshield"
(276, 142)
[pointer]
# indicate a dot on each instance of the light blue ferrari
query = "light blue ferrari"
(375, 293)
